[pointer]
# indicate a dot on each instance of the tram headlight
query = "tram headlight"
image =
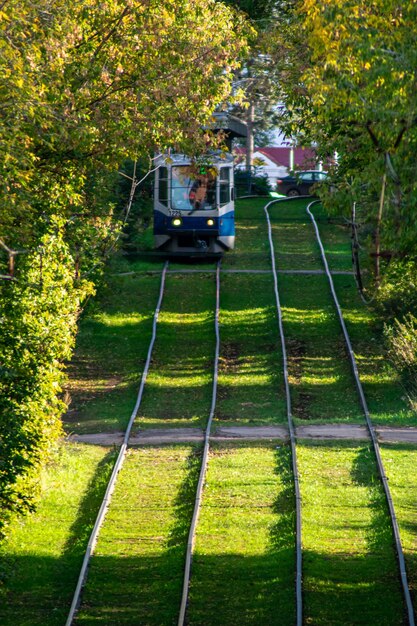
(177, 221)
(210, 222)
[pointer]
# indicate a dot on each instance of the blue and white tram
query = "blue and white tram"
(194, 205)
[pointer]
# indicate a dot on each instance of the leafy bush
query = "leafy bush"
(38, 316)
(397, 294)
(402, 341)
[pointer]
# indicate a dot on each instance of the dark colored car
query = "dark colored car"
(300, 184)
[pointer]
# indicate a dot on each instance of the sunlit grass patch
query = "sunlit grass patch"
(295, 246)
(40, 563)
(336, 239)
(250, 387)
(251, 244)
(136, 573)
(180, 378)
(243, 568)
(400, 462)
(322, 384)
(313, 314)
(112, 344)
(350, 570)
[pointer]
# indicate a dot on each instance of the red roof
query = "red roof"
(303, 157)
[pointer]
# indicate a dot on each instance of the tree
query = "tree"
(257, 76)
(83, 86)
(347, 76)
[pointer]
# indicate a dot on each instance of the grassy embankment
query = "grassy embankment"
(179, 384)
(385, 395)
(112, 345)
(400, 466)
(319, 371)
(386, 398)
(250, 388)
(41, 560)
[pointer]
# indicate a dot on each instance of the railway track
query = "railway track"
(207, 437)
(370, 426)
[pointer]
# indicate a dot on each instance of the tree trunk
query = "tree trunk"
(250, 139)
(378, 231)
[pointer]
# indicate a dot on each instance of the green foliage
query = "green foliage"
(38, 317)
(397, 292)
(82, 89)
(351, 90)
(402, 341)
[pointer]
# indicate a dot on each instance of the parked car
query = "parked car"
(300, 184)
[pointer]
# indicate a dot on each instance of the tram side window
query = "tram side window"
(224, 185)
(163, 186)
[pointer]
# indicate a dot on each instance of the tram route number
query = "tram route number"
(174, 213)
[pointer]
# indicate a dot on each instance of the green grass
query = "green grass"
(136, 573)
(350, 571)
(289, 211)
(400, 466)
(179, 384)
(244, 562)
(386, 398)
(243, 570)
(295, 241)
(112, 345)
(336, 239)
(40, 562)
(146, 261)
(251, 246)
(295, 246)
(319, 371)
(319, 368)
(250, 389)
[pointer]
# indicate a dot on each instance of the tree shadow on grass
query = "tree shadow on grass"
(338, 591)
(237, 588)
(282, 533)
(184, 503)
(80, 530)
(148, 589)
(379, 534)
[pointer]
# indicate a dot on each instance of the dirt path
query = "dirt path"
(251, 433)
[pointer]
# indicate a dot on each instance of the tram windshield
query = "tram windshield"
(191, 192)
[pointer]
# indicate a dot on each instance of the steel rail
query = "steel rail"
(117, 467)
(394, 522)
(299, 563)
(203, 469)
